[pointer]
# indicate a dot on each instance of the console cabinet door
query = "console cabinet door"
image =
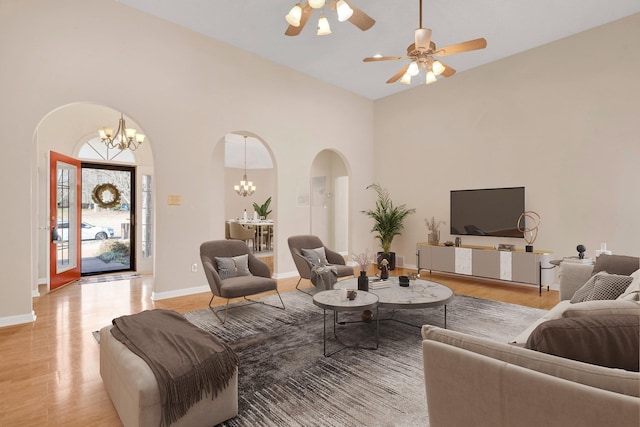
(486, 264)
(524, 267)
(424, 257)
(443, 258)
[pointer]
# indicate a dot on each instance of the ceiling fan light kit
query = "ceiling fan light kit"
(421, 53)
(294, 15)
(300, 13)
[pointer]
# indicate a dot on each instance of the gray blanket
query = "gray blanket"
(323, 277)
(186, 361)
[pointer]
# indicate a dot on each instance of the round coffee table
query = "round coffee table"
(333, 300)
(419, 294)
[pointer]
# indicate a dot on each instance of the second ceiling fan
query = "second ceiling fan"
(422, 52)
(301, 12)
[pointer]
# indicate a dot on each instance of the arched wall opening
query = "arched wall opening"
(67, 130)
(329, 204)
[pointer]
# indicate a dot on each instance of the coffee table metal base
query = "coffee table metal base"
(335, 335)
(412, 324)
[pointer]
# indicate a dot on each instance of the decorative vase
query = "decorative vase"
(434, 237)
(363, 281)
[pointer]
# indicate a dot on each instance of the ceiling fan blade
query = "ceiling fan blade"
(383, 58)
(448, 70)
(476, 44)
(399, 74)
(306, 13)
(361, 19)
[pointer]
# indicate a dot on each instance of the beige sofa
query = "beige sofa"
(472, 381)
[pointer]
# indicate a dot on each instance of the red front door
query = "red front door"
(64, 219)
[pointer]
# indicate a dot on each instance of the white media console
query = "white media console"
(484, 261)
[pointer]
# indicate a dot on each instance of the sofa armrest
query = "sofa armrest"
(572, 277)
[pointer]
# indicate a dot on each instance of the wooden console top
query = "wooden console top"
(486, 248)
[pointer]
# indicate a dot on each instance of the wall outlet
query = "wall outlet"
(194, 267)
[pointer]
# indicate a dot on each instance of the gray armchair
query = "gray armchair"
(228, 283)
(304, 266)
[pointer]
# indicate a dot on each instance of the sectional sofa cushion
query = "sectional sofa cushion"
(610, 340)
(632, 293)
(618, 264)
(600, 307)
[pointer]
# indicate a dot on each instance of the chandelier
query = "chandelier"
(246, 187)
(123, 138)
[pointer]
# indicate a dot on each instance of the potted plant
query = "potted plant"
(263, 210)
(388, 222)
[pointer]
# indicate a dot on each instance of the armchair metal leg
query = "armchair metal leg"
(304, 292)
(226, 308)
(270, 305)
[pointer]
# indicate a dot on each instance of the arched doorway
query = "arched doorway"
(330, 200)
(246, 154)
(73, 130)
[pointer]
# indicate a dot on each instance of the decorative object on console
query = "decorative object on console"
(458, 242)
(530, 233)
(581, 250)
(448, 243)
(506, 247)
(433, 226)
(388, 222)
(301, 12)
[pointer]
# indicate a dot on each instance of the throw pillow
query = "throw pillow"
(609, 286)
(315, 256)
(602, 286)
(233, 266)
(633, 290)
(607, 340)
(585, 290)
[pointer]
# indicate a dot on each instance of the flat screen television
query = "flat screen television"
(487, 212)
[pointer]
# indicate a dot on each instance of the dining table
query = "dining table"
(264, 232)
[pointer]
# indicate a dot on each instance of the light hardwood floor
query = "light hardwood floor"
(49, 372)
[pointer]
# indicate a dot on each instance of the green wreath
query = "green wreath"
(105, 195)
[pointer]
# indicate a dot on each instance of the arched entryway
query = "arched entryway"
(73, 130)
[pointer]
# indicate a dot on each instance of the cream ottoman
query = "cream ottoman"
(133, 389)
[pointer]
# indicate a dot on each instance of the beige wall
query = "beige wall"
(186, 92)
(563, 120)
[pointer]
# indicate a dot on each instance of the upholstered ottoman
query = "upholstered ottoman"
(133, 389)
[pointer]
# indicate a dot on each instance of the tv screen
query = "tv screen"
(487, 212)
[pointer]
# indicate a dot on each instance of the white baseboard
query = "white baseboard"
(17, 320)
(42, 281)
(35, 293)
(155, 296)
(286, 275)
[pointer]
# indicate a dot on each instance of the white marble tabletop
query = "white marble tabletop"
(334, 300)
(419, 294)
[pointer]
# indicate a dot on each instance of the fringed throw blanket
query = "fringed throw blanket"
(186, 361)
(323, 277)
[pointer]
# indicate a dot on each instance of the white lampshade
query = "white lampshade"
(139, 138)
(316, 4)
(323, 26)
(131, 133)
(344, 10)
(108, 132)
(102, 133)
(294, 15)
(437, 68)
(406, 79)
(431, 77)
(413, 69)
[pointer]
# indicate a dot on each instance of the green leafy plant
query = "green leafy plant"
(115, 250)
(263, 210)
(388, 220)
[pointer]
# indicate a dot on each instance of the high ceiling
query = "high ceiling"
(509, 26)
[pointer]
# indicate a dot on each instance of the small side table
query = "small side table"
(332, 300)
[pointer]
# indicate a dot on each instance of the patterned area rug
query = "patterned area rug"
(285, 380)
